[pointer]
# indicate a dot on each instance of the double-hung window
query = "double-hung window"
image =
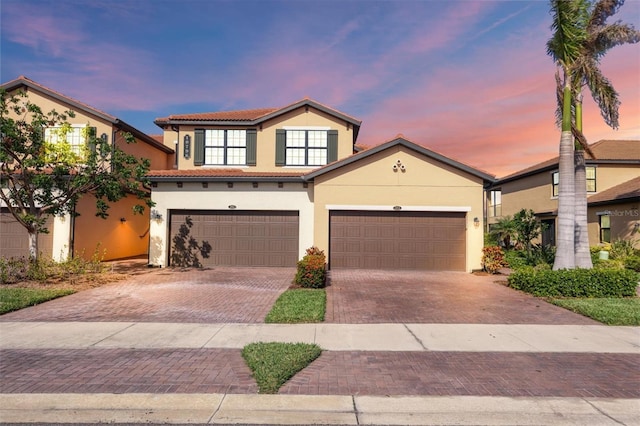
(591, 180)
(605, 228)
(306, 147)
(225, 147)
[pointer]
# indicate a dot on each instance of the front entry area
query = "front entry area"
(241, 238)
(411, 240)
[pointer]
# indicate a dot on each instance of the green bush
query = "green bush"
(575, 282)
(633, 263)
(540, 255)
(312, 269)
(515, 259)
(492, 259)
(608, 264)
(621, 249)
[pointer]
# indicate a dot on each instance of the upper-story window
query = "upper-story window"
(73, 136)
(306, 147)
(591, 180)
(225, 147)
(495, 203)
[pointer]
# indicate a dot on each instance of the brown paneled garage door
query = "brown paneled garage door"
(14, 239)
(398, 240)
(243, 238)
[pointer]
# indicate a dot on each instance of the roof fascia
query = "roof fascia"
(143, 136)
(554, 166)
(226, 179)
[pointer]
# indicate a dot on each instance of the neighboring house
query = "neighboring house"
(613, 193)
(122, 234)
(262, 186)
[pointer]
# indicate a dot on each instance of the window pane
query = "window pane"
(591, 185)
(296, 138)
(236, 156)
(605, 221)
(214, 138)
(605, 235)
(591, 172)
(295, 156)
(317, 157)
(556, 178)
(214, 156)
(317, 138)
(236, 138)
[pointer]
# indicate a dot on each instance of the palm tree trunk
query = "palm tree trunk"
(565, 255)
(581, 248)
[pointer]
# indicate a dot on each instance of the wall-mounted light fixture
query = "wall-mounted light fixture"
(123, 220)
(156, 215)
(104, 137)
(476, 222)
(232, 206)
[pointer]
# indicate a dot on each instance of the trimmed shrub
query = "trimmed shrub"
(575, 282)
(492, 259)
(312, 269)
(621, 249)
(515, 259)
(633, 263)
(608, 264)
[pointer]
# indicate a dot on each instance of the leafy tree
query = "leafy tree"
(580, 40)
(527, 228)
(42, 174)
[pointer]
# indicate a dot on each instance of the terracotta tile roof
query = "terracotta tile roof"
(240, 115)
(604, 150)
(625, 191)
(218, 173)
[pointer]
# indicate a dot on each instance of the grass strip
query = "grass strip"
(299, 306)
(610, 311)
(274, 363)
(12, 299)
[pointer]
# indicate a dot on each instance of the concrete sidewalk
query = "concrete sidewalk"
(332, 337)
(308, 409)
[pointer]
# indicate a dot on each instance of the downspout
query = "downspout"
(72, 234)
(176, 144)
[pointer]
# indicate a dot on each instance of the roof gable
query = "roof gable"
(24, 82)
(401, 141)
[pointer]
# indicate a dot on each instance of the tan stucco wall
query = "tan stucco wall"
(266, 149)
(625, 222)
(140, 149)
(535, 192)
(426, 183)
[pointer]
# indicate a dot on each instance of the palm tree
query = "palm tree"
(587, 42)
(600, 38)
(569, 33)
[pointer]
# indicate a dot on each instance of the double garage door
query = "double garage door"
(433, 241)
(242, 238)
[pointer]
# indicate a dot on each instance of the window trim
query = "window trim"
(555, 186)
(603, 229)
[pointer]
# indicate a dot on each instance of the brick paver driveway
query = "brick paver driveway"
(234, 295)
(373, 296)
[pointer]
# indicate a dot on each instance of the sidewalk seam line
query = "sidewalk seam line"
(111, 335)
(415, 337)
(602, 412)
(355, 409)
(217, 409)
(204, 345)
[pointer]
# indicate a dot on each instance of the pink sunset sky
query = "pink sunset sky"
(468, 79)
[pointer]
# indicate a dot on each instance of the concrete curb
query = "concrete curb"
(310, 409)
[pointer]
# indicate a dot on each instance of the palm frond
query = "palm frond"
(568, 30)
(607, 37)
(603, 94)
(602, 11)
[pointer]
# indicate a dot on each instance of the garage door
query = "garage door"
(14, 239)
(398, 240)
(242, 238)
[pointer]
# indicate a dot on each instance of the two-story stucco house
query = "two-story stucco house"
(122, 234)
(613, 193)
(261, 186)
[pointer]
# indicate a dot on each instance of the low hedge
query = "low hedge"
(575, 282)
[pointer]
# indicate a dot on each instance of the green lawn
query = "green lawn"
(12, 299)
(610, 311)
(274, 363)
(299, 306)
